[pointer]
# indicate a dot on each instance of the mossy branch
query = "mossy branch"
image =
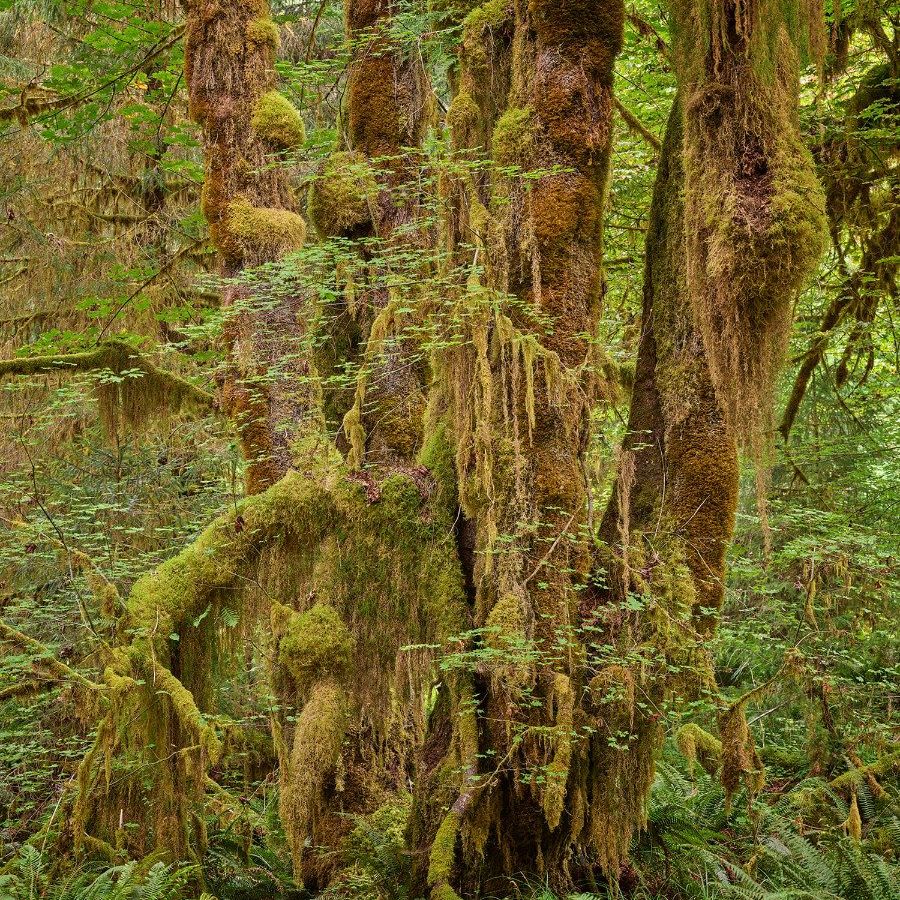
(116, 356)
(887, 765)
(44, 657)
(637, 126)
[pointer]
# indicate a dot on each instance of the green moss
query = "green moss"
(318, 734)
(513, 136)
(265, 233)
(263, 31)
(277, 121)
(491, 14)
(697, 745)
(179, 590)
(315, 643)
(341, 196)
(462, 118)
(438, 455)
(443, 851)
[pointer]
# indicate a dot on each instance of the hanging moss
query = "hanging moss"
(342, 194)
(740, 759)
(557, 773)
(130, 388)
(318, 734)
(750, 186)
(277, 121)
(699, 746)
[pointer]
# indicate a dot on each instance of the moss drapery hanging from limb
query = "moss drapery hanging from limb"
(377, 576)
(751, 192)
(135, 390)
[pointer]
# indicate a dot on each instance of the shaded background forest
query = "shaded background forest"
(103, 238)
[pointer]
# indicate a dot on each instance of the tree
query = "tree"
(416, 542)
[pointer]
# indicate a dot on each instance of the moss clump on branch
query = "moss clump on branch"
(263, 31)
(513, 138)
(385, 575)
(261, 233)
(342, 195)
(277, 121)
(316, 643)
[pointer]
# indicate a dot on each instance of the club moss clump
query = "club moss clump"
(316, 642)
(341, 197)
(265, 233)
(513, 136)
(263, 31)
(277, 121)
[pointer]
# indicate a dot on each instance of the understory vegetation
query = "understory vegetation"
(449, 449)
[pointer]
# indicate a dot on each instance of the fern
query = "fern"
(131, 881)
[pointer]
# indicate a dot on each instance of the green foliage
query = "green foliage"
(103, 173)
(34, 878)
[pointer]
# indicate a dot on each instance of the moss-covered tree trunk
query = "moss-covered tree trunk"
(367, 191)
(230, 73)
(735, 227)
(515, 778)
(671, 513)
(751, 194)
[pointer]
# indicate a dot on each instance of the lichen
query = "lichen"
(277, 121)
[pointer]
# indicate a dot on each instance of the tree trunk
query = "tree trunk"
(230, 74)
(531, 796)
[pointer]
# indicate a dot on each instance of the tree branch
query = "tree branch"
(116, 356)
